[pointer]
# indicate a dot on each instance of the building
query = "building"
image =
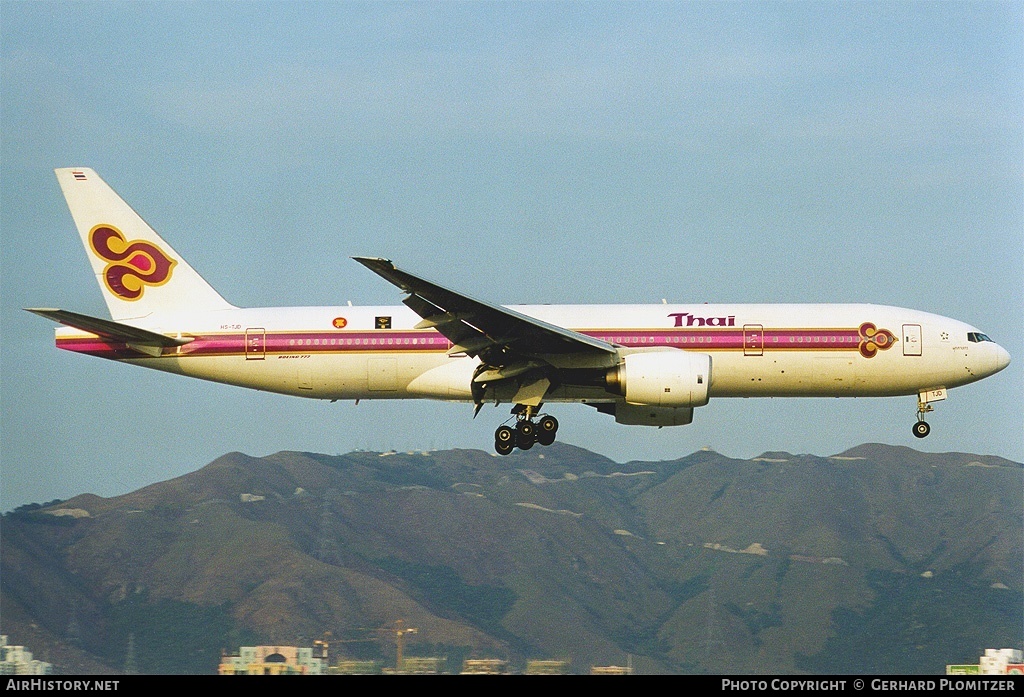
(611, 670)
(17, 660)
(423, 665)
(996, 661)
(547, 667)
(350, 667)
(963, 669)
(272, 660)
(484, 666)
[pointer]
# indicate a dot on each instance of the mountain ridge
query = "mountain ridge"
(703, 563)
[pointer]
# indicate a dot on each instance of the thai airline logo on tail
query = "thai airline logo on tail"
(442, 344)
(131, 265)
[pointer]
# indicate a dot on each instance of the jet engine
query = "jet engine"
(640, 415)
(662, 378)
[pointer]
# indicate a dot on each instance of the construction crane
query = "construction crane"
(325, 646)
(400, 631)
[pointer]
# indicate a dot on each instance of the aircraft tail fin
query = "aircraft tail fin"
(139, 274)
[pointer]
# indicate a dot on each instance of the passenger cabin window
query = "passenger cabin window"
(977, 337)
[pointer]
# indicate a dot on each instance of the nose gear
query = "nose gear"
(924, 399)
(921, 428)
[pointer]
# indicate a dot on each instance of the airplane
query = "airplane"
(648, 365)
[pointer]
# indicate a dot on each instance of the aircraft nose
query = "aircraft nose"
(1002, 358)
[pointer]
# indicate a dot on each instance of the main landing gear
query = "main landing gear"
(527, 430)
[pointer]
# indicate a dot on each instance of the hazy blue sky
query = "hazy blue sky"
(522, 152)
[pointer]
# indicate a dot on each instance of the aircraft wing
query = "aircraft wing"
(108, 329)
(478, 327)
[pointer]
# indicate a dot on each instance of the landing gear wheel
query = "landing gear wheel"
(546, 429)
(504, 440)
(505, 436)
(526, 434)
(922, 429)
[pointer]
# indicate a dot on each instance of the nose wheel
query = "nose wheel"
(530, 428)
(921, 428)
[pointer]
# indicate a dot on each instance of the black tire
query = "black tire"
(547, 427)
(922, 429)
(505, 435)
(503, 448)
(548, 424)
(526, 434)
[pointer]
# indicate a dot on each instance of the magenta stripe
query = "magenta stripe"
(418, 341)
(98, 347)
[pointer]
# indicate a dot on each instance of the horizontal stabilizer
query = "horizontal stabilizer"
(108, 329)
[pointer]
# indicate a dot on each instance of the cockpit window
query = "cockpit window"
(977, 337)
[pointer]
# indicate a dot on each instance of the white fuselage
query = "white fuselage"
(646, 365)
(756, 350)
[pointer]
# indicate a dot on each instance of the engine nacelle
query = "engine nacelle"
(662, 378)
(451, 380)
(639, 415)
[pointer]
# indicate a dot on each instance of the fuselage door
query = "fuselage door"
(911, 339)
(753, 340)
(255, 344)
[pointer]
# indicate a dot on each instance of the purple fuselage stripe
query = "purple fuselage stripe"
(423, 341)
